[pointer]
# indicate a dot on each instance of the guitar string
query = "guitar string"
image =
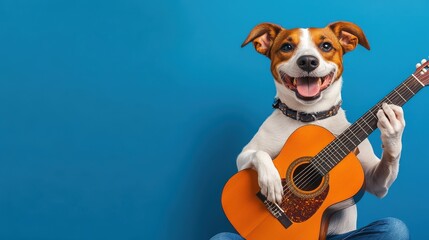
(357, 125)
(313, 171)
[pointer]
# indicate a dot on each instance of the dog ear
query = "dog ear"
(349, 35)
(263, 36)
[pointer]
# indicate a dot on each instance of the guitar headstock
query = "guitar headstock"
(422, 72)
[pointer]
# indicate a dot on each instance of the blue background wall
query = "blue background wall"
(122, 119)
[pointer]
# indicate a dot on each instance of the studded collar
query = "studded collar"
(303, 116)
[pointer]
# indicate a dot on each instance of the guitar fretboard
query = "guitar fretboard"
(347, 141)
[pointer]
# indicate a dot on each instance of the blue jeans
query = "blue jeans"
(384, 229)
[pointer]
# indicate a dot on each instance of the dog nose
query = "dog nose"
(307, 63)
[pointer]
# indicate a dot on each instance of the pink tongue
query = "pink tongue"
(308, 87)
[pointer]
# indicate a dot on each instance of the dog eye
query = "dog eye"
(287, 47)
(326, 47)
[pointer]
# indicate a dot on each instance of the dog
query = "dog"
(307, 66)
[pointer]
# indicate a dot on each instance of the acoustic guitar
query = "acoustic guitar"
(318, 178)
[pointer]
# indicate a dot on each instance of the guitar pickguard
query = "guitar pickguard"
(299, 209)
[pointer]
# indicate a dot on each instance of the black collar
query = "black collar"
(305, 117)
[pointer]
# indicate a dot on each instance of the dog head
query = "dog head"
(307, 62)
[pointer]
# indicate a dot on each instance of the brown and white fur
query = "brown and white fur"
(316, 88)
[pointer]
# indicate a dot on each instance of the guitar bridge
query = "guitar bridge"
(275, 210)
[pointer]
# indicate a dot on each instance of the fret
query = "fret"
(345, 153)
(323, 165)
(414, 85)
(408, 88)
(417, 80)
(376, 108)
(333, 159)
(326, 165)
(388, 100)
(400, 95)
(325, 153)
(339, 148)
(363, 129)
(417, 84)
(356, 136)
(320, 170)
(345, 135)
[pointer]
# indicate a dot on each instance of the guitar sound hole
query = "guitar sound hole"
(306, 178)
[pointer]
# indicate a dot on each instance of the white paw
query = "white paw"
(391, 123)
(268, 177)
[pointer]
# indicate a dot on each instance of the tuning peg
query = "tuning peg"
(418, 65)
(423, 61)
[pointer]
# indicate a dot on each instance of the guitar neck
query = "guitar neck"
(347, 141)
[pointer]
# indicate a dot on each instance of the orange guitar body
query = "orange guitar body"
(308, 210)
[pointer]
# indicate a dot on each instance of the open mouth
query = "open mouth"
(307, 87)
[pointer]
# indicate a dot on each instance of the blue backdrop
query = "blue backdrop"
(123, 119)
